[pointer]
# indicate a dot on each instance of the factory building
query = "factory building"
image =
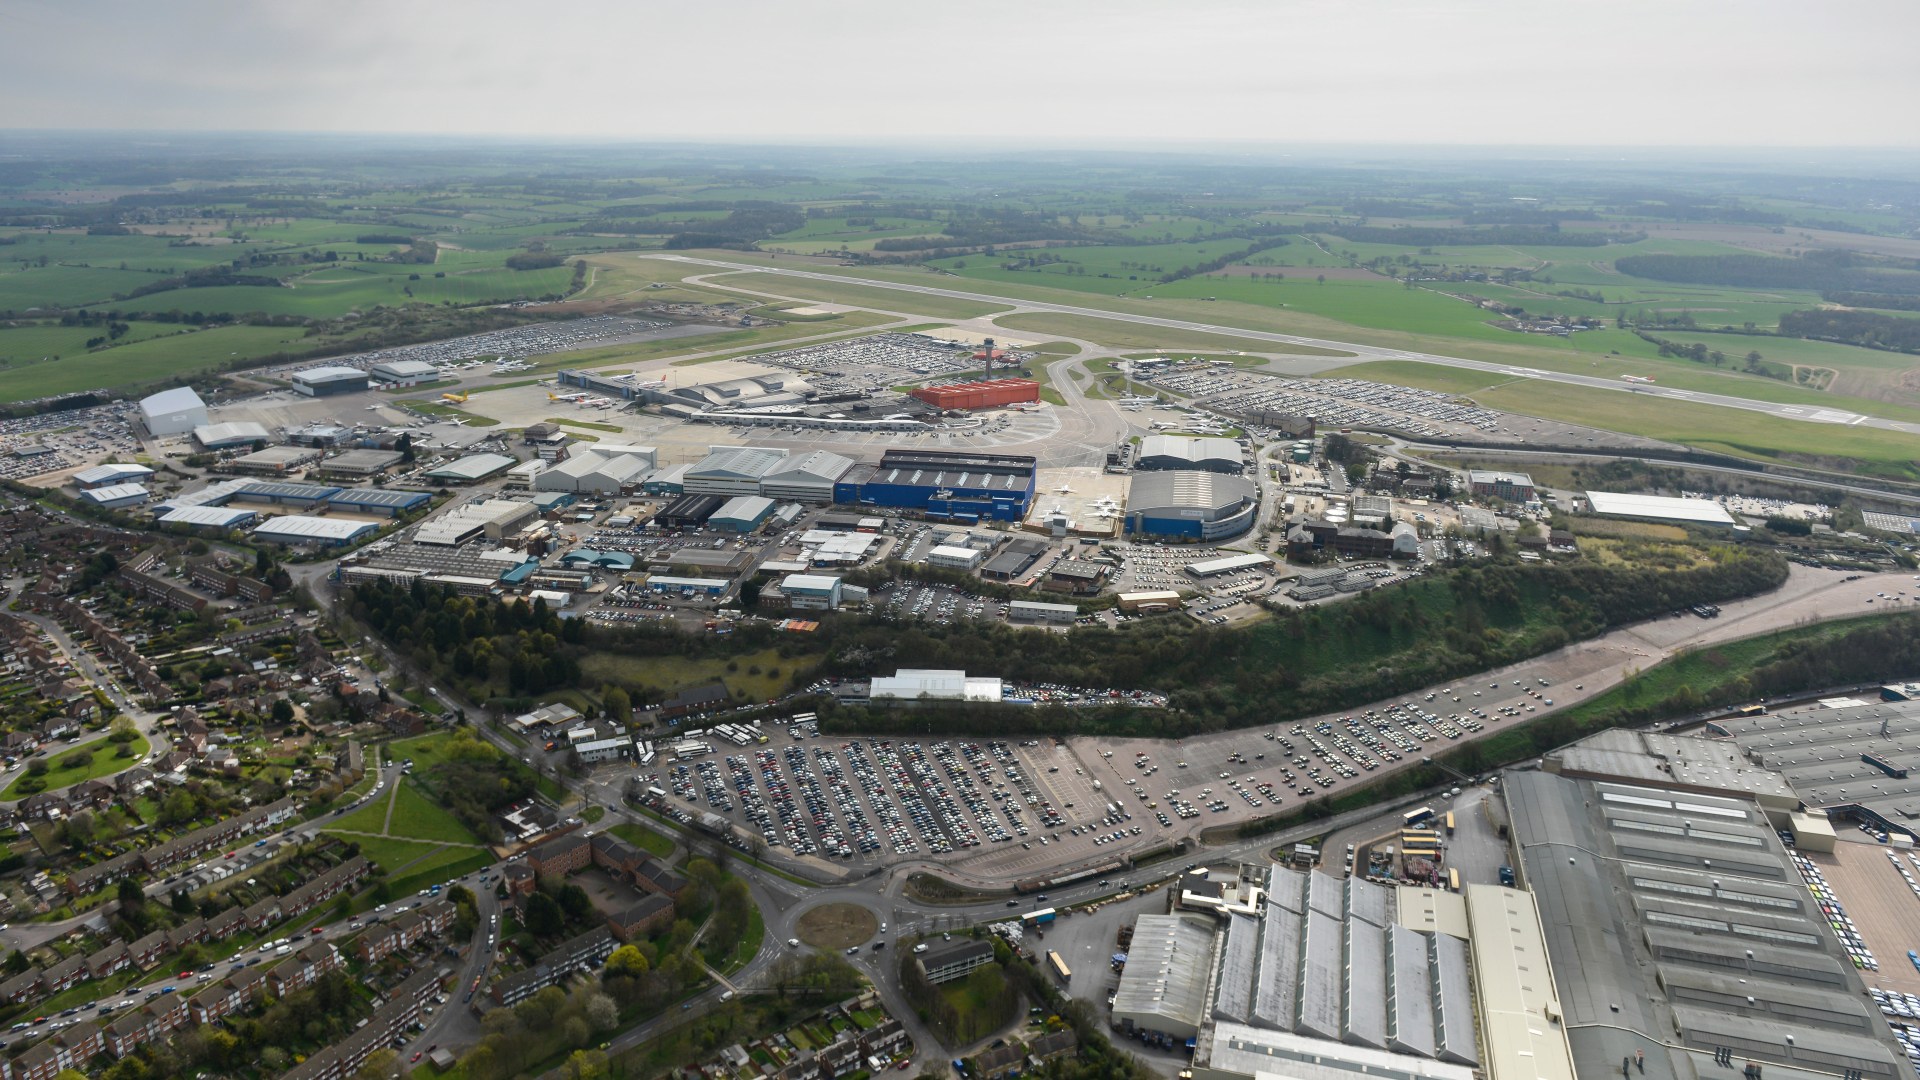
(327, 381)
(1148, 601)
(404, 373)
(742, 514)
(493, 518)
(108, 475)
(1158, 452)
(690, 588)
(732, 470)
(1190, 505)
(1053, 614)
(1164, 987)
(944, 485)
(986, 394)
(809, 477)
(1681, 934)
(228, 436)
(172, 412)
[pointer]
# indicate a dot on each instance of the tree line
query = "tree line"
(1815, 271)
(1436, 236)
(1869, 329)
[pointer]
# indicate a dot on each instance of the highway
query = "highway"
(1776, 410)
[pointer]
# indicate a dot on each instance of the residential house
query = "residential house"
(642, 917)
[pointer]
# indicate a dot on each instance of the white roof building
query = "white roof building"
(172, 412)
(102, 475)
(473, 467)
(222, 436)
(593, 472)
(732, 470)
(1164, 987)
(912, 684)
(404, 371)
(1188, 452)
(495, 518)
(1660, 508)
(209, 517)
(318, 531)
(116, 495)
(809, 477)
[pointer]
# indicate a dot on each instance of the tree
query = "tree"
(574, 901)
(183, 901)
(627, 960)
(130, 895)
(602, 1013)
(17, 962)
(282, 711)
(585, 1065)
(544, 917)
(618, 704)
(379, 1065)
(37, 767)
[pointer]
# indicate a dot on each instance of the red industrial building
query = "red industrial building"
(979, 395)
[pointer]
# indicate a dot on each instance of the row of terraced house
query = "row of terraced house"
(387, 1026)
(38, 983)
(75, 1047)
(86, 880)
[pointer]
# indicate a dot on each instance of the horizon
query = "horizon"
(1469, 73)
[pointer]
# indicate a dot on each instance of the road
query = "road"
(1365, 352)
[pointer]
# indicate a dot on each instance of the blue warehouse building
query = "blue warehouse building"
(1191, 505)
(944, 485)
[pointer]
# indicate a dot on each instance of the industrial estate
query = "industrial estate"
(587, 621)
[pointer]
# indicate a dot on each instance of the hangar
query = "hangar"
(172, 412)
(405, 372)
(1183, 452)
(592, 471)
(944, 485)
(751, 392)
(809, 477)
(329, 380)
(472, 468)
(732, 470)
(1191, 505)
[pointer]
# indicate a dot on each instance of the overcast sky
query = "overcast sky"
(1506, 72)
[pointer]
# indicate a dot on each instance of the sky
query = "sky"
(1681, 73)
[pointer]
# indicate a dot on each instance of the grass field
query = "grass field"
(672, 673)
(101, 760)
(391, 854)
(836, 926)
(165, 358)
(442, 866)
(416, 817)
(644, 838)
(833, 292)
(1126, 335)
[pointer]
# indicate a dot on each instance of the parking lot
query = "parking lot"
(875, 364)
(1332, 402)
(64, 441)
(534, 339)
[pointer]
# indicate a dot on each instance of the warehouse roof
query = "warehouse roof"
(404, 369)
(1247, 1051)
(1659, 508)
(1167, 968)
(737, 463)
(295, 528)
(115, 493)
(1491, 476)
(937, 684)
(229, 433)
(363, 460)
(793, 583)
(379, 498)
(220, 517)
(744, 508)
(1227, 564)
(329, 373)
(820, 466)
(107, 474)
(1677, 924)
(472, 467)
